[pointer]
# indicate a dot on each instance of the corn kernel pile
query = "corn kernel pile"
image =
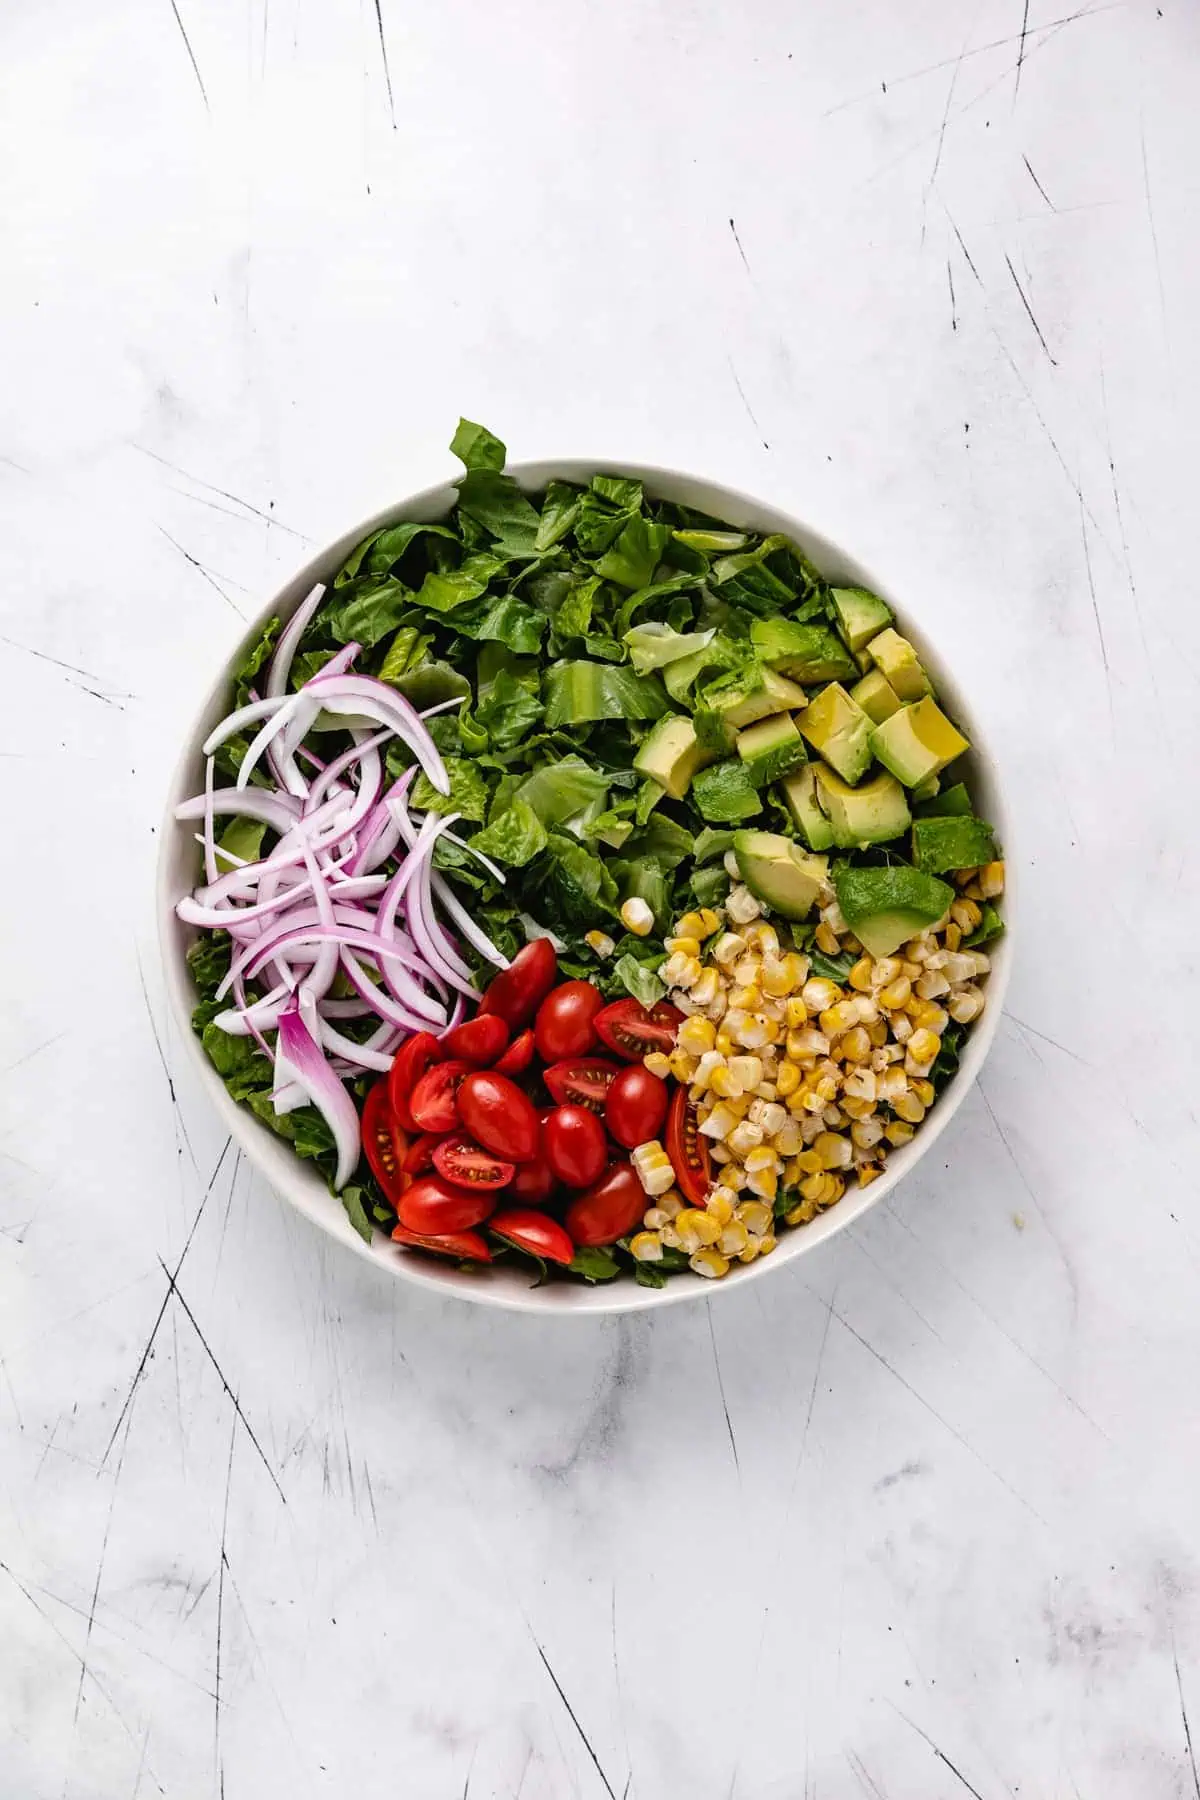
(799, 1083)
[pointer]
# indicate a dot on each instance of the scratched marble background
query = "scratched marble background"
(913, 1520)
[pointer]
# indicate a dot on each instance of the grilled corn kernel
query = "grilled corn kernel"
(866, 1133)
(724, 1042)
(966, 915)
(838, 1018)
(747, 999)
(932, 985)
(966, 1005)
(646, 1246)
(923, 1046)
(728, 948)
(720, 1204)
(896, 994)
(885, 970)
(931, 1018)
(748, 1069)
(744, 1137)
(825, 1087)
(759, 1156)
(600, 942)
(787, 1139)
(696, 1036)
(827, 940)
(741, 905)
(806, 1043)
(700, 1225)
(655, 1217)
(763, 938)
(720, 1121)
(683, 946)
(691, 925)
(924, 1091)
(818, 993)
(898, 1132)
(891, 1083)
(902, 1027)
(706, 989)
(669, 1237)
(755, 1033)
(650, 1159)
(681, 971)
(764, 1183)
(750, 1252)
(855, 1047)
(861, 1084)
(657, 1064)
(787, 1080)
(991, 880)
(952, 936)
(868, 1172)
(795, 1012)
(834, 1151)
(636, 916)
(857, 1109)
(835, 1188)
(682, 1066)
(755, 1217)
(773, 1119)
(710, 920)
(767, 1244)
(725, 1083)
(860, 975)
(733, 1239)
(710, 1064)
(783, 975)
(907, 1106)
(709, 1263)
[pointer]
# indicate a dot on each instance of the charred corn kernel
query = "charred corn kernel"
(835, 1188)
(724, 1043)
(855, 1046)
(923, 1046)
(834, 1117)
(861, 1085)
(787, 1139)
(748, 1069)
(838, 1018)
(907, 1106)
(902, 1027)
(783, 975)
(719, 1153)
(884, 971)
(683, 946)
(720, 1204)
(746, 971)
(682, 1066)
(709, 1263)
(982, 963)
(691, 925)
(958, 966)
(932, 985)
(911, 970)
(834, 1151)
(763, 937)
(855, 1108)
(787, 1080)
(654, 1218)
(827, 939)
(741, 905)
(802, 1214)
(965, 914)
(650, 1155)
(826, 1087)
(744, 1137)
(636, 916)
(973, 891)
(700, 1225)
(681, 971)
(716, 1007)
(868, 1173)
(669, 1237)
(720, 1121)
(991, 880)
(892, 1083)
(755, 1217)
(710, 1064)
(696, 1036)
(750, 1252)
(773, 1119)
(952, 937)
(728, 948)
(810, 1101)
(818, 993)
(755, 1033)
(898, 1132)
(710, 920)
(767, 1244)
(671, 1203)
(646, 1246)
(860, 975)
(795, 1012)
(764, 1183)
(600, 942)
(966, 1005)
(746, 999)
(657, 1064)
(866, 1133)
(706, 989)
(924, 1091)
(931, 1018)
(759, 1156)
(655, 1177)
(807, 1043)
(814, 1187)
(878, 1033)
(725, 1083)
(733, 1239)
(896, 994)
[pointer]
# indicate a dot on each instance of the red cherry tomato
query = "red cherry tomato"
(499, 1116)
(534, 1232)
(411, 1061)
(463, 1246)
(636, 1106)
(533, 1184)
(433, 1102)
(564, 1021)
(517, 992)
(384, 1142)
(478, 1042)
(432, 1207)
(632, 1032)
(609, 1209)
(581, 1080)
(517, 1057)
(575, 1145)
(419, 1160)
(687, 1148)
(460, 1161)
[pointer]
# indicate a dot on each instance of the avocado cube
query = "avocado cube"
(917, 742)
(886, 907)
(771, 748)
(953, 843)
(779, 873)
(839, 730)
(802, 652)
(895, 657)
(671, 755)
(927, 790)
(877, 697)
(861, 615)
(952, 802)
(872, 813)
(803, 799)
(725, 794)
(742, 698)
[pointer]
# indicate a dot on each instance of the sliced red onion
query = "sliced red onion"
(362, 694)
(243, 715)
(466, 924)
(301, 1055)
(431, 712)
(433, 942)
(285, 649)
(362, 745)
(394, 1011)
(279, 811)
(210, 847)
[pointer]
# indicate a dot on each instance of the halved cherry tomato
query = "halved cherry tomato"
(609, 1209)
(636, 1106)
(533, 1184)
(517, 1057)
(432, 1102)
(411, 1061)
(632, 1032)
(419, 1160)
(581, 1080)
(518, 991)
(687, 1148)
(384, 1142)
(499, 1116)
(478, 1042)
(432, 1207)
(459, 1160)
(534, 1232)
(574, 1145)
(463, 1246)
(564, 1024)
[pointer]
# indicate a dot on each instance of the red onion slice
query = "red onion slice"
(285, 649)
(298, 1052)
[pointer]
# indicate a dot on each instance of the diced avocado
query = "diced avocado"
(872, 813)
(671, 755)
(771, 748)
(895, 657)
(743, 698)
(953, 802)
(927, 790)
(782, 875)
(861, 614)
(840, 730)
(954, 843)
(917, 742)
(725, 794)
(877, 697)
(885, 907)
(803, 801)
(804, 652)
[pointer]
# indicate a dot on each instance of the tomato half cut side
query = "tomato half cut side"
(609, 1209)
(479, 1042)
(517, 1057)
(534, 1232)
(410, 1063)
(433, 1102)
(433, 1207)
(518, 991)
(581, 1081)
(687, 1148)
(385, 1144)
(463, 1163)
(463, 1246)
(419, 1159)
(626, 1027)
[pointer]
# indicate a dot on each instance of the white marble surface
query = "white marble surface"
(916, 1518)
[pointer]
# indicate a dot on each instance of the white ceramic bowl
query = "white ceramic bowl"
(510, 1286)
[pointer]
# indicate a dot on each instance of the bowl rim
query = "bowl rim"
(299, 1182)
